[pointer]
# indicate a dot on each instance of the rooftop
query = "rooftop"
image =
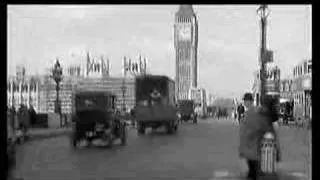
(185, 10)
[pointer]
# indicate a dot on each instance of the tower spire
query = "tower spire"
(185, 10)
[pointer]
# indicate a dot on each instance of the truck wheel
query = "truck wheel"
(73, 141)
(141, 129)
(170, 128)
(176, 128)
(195, 121)
(110, 140)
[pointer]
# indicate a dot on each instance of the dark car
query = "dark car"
(94, 118)
(186, 111)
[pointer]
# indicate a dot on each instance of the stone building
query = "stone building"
(186, 49)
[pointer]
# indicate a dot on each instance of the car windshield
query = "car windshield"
(92, 101)
(93, 115)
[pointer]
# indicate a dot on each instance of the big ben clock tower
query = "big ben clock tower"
(186, 45)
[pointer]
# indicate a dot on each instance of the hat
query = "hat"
(248, 97)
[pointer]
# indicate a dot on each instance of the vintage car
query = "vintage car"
(94, 118)
(155, 104)
(186, 111)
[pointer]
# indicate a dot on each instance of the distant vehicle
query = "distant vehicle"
(155, 103)
(186, 111)
(94, 118)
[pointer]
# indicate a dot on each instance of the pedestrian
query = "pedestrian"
(33, 115)
(248, 102)
(133, 119)
(257, 121)
(24, 119)
(240, 110)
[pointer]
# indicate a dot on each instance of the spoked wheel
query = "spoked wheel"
(110, 140)
(74, 143)
(73, 140)
(195, 121)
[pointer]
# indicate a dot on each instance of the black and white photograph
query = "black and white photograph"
(159, 92)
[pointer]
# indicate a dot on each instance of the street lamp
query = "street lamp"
(263, 12)
(123, 88)
(57, 77)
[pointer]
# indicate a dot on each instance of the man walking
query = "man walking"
(240, 112)
(257, 121)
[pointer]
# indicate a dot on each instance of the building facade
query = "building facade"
(186, 48)
(256, 88)
(286, 89)
(132, 68)
(272, 75)
(96, 67)
(302, 90)
(24, 92)
(198, 95)
(211, 99)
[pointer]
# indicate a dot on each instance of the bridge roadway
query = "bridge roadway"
(205, 151)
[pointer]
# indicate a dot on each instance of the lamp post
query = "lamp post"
(263, 12)
(123, 89)
(57, 77)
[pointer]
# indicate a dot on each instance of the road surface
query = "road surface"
(205, 151)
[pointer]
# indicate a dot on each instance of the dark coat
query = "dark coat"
(33, 116)
(240, 109)
(24, 117)
(257, 122)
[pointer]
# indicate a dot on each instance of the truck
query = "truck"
(186, 111)
(155, 103)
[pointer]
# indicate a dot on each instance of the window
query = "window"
(309, 67)
(305, 68)
(9, 86)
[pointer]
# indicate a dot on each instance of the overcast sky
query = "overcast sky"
(227, 50)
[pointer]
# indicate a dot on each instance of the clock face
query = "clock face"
(185, 33)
